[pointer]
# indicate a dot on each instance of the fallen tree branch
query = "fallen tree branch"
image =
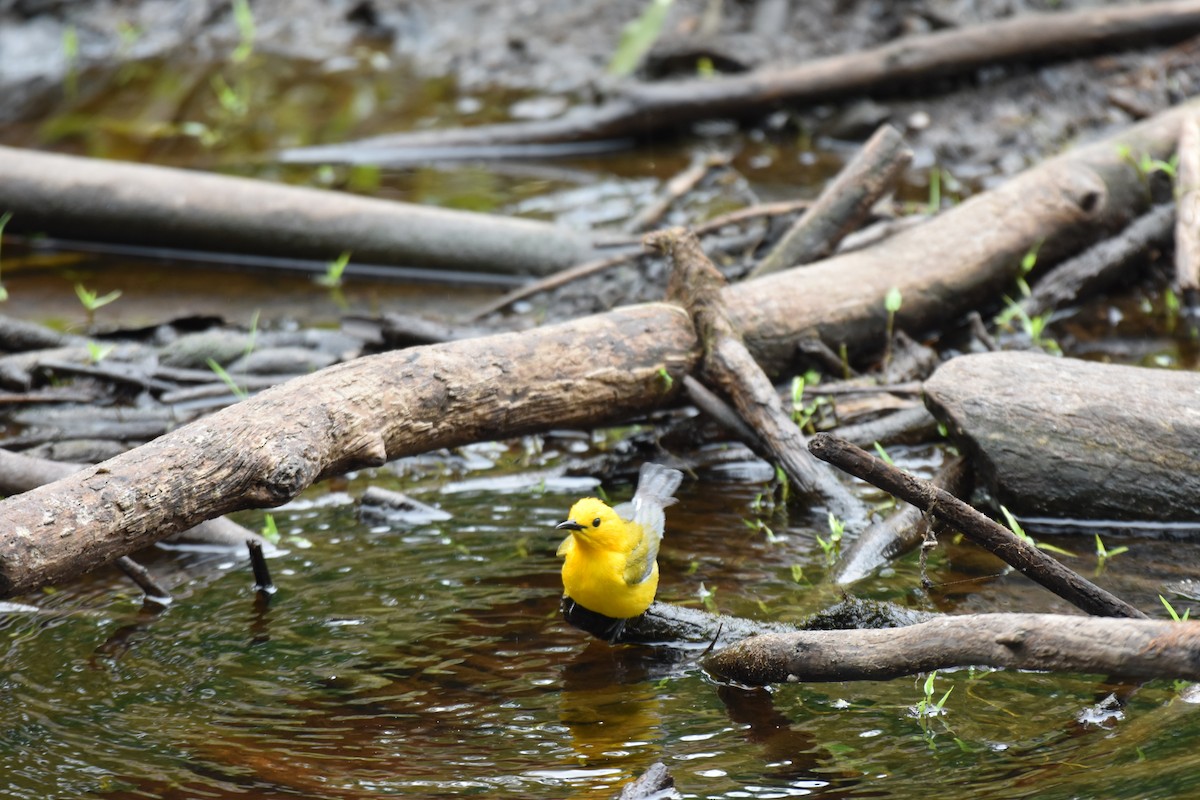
(596, 370)
(843, 204)
(995, 538)
(84, 198)
(1187, 218)
(649, 109)
(696, 284)
(1121, 647)
(1098, 267)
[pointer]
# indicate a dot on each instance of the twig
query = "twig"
(677, 187)
(898, 533)
(1021, 555)
(1099, 266)
(155, 593)
(554, 281)
(844, 203)
(696, 285)
(262, 574)
(1187, 219)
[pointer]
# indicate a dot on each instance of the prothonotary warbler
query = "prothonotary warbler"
(611, 565)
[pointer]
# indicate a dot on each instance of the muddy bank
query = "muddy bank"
(989, 125)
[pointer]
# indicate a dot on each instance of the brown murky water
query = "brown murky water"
(429, 660)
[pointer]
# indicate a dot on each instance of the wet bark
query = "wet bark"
(1124, 648)
(1122, 443)
(108, 201)
(600, 369)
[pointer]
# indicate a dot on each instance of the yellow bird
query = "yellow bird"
(610, 564)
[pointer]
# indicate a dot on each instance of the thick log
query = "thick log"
(263, 451)
(647, 109)
(1060, 437)
(1119, 647)
(109, 201)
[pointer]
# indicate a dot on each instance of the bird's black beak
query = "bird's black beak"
(569, 525)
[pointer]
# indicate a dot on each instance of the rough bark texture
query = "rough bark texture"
(696, 284)
(964, 257)
(90, 199)
(1122, 443)
(648, 109)
(262, 451)
(1022, 555)
(1124, 648)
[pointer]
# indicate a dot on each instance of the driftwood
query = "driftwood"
(263, 451)
(696, 284)
(1121, 443)
(1020, 554)
(1121, 647)
(82, 198)
(843, 204)
(649, 109)
(1098, 267)
(1187, 222)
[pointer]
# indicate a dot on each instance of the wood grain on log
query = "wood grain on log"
(1120, 647)
(1061, 437)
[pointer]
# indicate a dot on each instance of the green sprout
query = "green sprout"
(883, 454)
(708, 598)
(891, 303)
(1171, 610)
(928, 708)
(1025, 537)
(98, 352)
(638, 37)
(243, 17)
(269, 531)
(935, 191)
(332, 279)
(666, 379)
(92, 301)
(70, 46)
(4, 218)
(798, 574)
(832, 547)
(1103, 553)
(220, 372)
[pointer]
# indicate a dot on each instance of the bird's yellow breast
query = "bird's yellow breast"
(595, 578)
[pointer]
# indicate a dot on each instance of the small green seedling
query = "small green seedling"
(927, 707)
(891, 304)
(70, 46)
(243, 17)
(269, 531)
(832, 547)
(1171, 610)
(638, 37)
(220, 372)
(332, 279)
(1103, 553)
(98, 352)
(666, 379)
(1021, 534)
(4, 218)
(93, 300)
(708, 597)
(883, 454)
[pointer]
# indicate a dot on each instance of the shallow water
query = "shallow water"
(431, 661)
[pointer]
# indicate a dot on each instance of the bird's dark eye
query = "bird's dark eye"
(596, 522)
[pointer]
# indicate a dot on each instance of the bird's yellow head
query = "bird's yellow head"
(597, 524)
